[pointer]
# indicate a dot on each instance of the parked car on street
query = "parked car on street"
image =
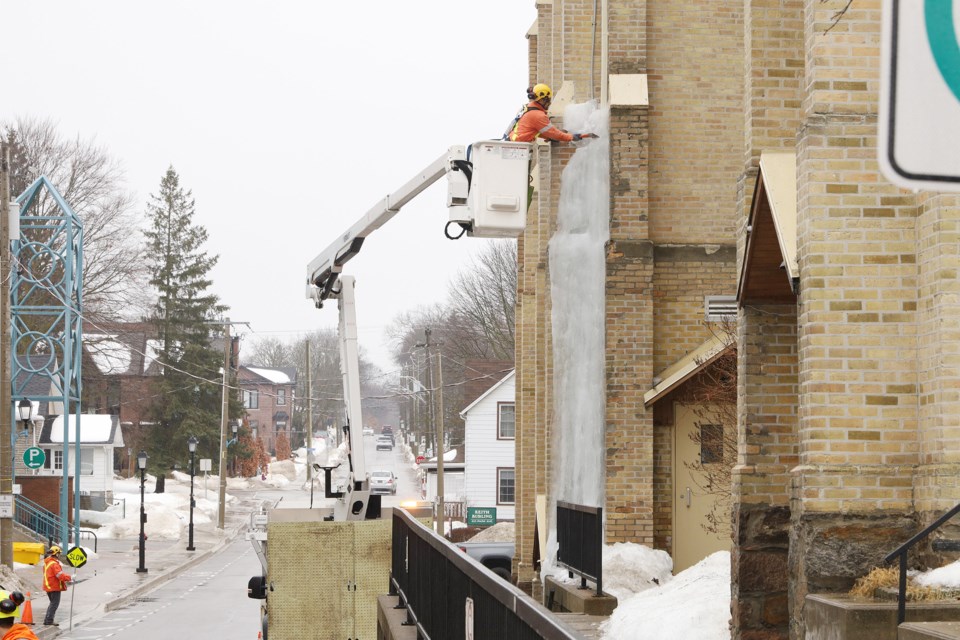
(496, 556)
(385, 443)
(383, 482)
(387, 430)
(368, 431)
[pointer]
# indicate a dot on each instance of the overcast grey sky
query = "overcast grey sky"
(288, 120)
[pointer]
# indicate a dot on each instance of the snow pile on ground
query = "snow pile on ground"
(630, 568)
(167, 513)
(946, 577)
(10, 581)
(285, 468)
(500, 532)
(694, 604)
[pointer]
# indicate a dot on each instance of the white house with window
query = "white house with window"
(100, 434)
(489, 448)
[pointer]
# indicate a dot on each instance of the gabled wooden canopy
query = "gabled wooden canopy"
(769, 272)
(685, 368)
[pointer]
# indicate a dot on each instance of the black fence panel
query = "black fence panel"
(580, 541)
(438, 584)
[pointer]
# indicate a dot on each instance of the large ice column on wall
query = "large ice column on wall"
(577, 278)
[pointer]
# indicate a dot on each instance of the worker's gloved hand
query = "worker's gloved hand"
(580, 136)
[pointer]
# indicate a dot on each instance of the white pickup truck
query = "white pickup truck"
(496, 556)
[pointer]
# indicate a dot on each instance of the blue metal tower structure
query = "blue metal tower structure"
(46, 303)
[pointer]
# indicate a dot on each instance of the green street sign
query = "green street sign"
(481, 516)
(34, 458)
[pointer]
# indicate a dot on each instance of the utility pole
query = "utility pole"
(224, 415)
(6, 402)
(309, 419)
(438, 434)
(441, 432)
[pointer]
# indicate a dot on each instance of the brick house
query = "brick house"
(119, 364)
(268, 397)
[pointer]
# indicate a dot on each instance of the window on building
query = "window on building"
(251, 399)
(281, 396)
(54, 459)
(281, 425)
(506, 421)
(711, 443)
(506, 483)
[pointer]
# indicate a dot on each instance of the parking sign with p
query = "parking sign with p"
(34, 458)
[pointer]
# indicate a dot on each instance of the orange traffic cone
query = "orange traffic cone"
(26, 611)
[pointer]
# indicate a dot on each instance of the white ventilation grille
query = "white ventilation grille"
(720, 308)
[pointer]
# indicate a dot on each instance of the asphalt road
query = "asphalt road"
(210, 599)
(207, 601)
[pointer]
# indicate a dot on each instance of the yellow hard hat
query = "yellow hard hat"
(55, 550)
(10, 603)
(542, 91)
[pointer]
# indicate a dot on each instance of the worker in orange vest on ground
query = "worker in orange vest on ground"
(9, 609)
(534, 123)
(54, 582)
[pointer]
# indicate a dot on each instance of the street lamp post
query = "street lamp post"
(25, 412)
(142, 465)
(192, 445)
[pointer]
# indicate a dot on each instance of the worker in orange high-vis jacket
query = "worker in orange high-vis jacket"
(54, 582)
(534, 123)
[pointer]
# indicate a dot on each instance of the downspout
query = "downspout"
(604, 51)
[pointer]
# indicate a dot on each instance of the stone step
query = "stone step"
(847, 618)
(929, 631)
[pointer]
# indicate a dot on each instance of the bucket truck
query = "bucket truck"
(487, 197)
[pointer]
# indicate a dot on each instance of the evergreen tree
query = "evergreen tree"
(189, 392)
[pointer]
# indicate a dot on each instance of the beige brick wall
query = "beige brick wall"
(767, 386)
(773, 31)
(683, 277)
(696, 87)
(858, 331)
(695, 59)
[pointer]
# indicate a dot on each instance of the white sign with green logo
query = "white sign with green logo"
(34, 458)
(481, 516)
(919, 141)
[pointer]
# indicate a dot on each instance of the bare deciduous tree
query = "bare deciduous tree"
(326, 382)
(713, 398)
(838, 14)
(268, 352)
(483, 298)
(92, 183)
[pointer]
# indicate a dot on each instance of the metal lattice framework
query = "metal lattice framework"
(46, 317)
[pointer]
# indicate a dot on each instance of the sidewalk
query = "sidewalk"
(110, 581)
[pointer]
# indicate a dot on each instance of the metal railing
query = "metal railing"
(88, 533)
(580, 542)
(902, 552)
(34, 517)
(454, 510)
(443, 590)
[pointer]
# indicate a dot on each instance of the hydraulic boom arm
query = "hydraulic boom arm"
(487, 197)
(322, 272)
